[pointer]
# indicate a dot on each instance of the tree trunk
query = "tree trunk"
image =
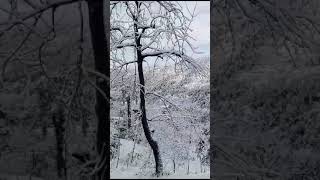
(188, 155)
(153, 144)
(132, 153)
(147, 133)
(102, 65)
(129, 111)
(174, 166)
(58, 122)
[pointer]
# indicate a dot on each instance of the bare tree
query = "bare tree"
(153, 31)
(36, 23)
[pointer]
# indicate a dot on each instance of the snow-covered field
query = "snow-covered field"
(143, 168)
(130, 173)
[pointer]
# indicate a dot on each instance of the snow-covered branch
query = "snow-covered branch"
(124, 45)
(163, 53)
(162, 33)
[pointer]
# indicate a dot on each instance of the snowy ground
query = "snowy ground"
(178, 114)
(131, 173)
(143, 168)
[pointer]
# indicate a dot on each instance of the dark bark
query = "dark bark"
(123, 96)
(146, 129)
(129, 111)
(58, 122)
(102, 65)
(174, 166)
(132, 153)
(84, 125)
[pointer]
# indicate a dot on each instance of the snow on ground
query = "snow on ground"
(131, 173)
(144, 167)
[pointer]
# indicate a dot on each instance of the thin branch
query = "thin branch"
(7, 60)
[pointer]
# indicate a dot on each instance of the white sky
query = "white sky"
(200, 27)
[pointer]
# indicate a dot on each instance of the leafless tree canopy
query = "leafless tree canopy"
(163, 28)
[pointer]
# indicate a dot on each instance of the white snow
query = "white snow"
(144, 168)
(177, 103)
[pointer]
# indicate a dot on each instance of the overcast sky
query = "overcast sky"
(200, 26)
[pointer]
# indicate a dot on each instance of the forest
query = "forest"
(160, 92)
(66, 92)
(60, 99)
(265, 89)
